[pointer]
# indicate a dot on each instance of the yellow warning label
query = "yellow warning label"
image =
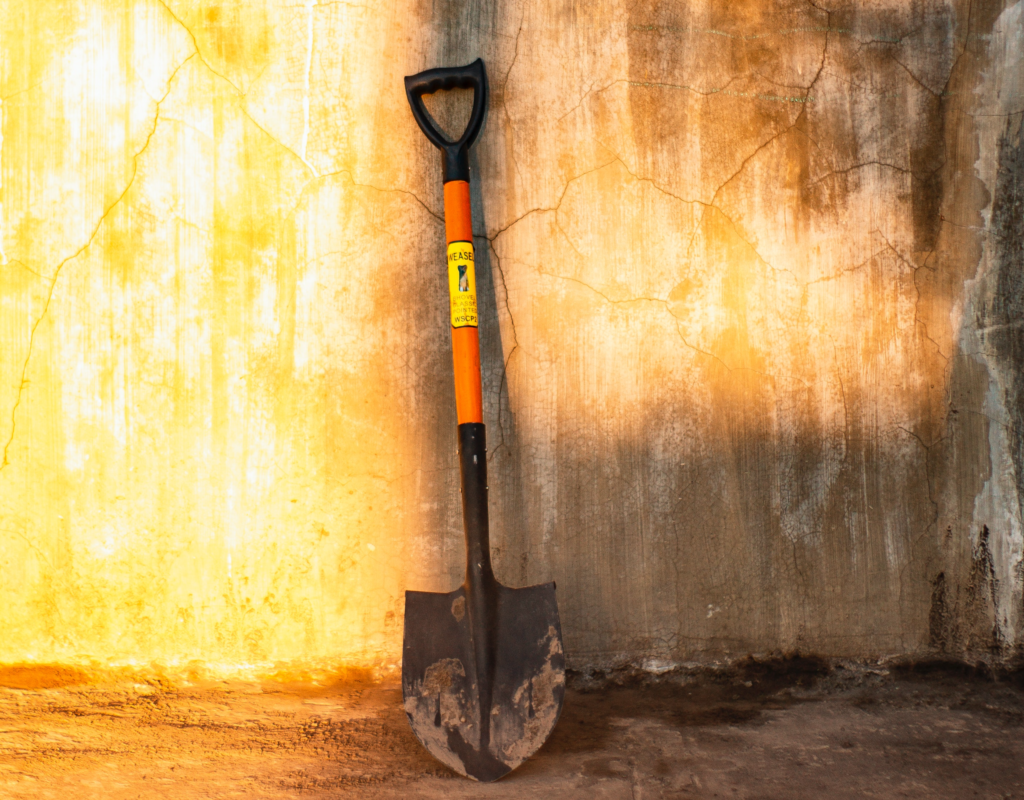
(462, 284)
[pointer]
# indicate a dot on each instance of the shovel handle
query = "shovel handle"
(454, 155)
(458, 226)
(458, 222)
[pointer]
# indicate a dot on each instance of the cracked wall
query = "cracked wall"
(750, 285)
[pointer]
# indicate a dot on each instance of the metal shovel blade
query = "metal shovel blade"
(483, 720)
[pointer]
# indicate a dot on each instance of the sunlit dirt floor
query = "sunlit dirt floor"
(792, 729)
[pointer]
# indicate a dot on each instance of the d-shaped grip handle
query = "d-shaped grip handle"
(454, 155)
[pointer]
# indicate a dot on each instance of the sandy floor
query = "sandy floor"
(752, 733)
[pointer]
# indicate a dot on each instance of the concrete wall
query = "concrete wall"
(751, 295)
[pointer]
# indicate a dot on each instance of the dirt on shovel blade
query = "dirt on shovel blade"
(446, 700)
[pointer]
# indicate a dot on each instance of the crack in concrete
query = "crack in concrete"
(189, 126)
(771, 139)
(888, 246)
(861, 165)
(1016, 113)
(842, 393)
(195, 44)
(3, 119)
(27, 268)
(29, 88)
(50, 598)
(956, 61)
(722, 90)
(57, 271)
(934, 523)
(515, 346)
(734, 225)
(780, 85)
(862, 43)
(504, 99)
(319, 4)
(352, 179)
(914, 270)
(238, 91)
(927, 447)
(847, 271)
(557, 206)
(308, 72)
(917, 319)
(746, 37)
(915, 78)
(752, 95)
(654, 184)
(494, 237)
(667, 305)
(977, 228)
(1006, 426)
(625, 300)
(803, 111)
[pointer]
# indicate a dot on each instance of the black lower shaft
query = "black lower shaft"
(481, 586)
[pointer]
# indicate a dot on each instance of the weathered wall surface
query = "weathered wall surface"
(752, 297)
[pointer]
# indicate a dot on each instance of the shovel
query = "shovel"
(483, 671)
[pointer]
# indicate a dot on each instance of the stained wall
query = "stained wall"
(751, 295)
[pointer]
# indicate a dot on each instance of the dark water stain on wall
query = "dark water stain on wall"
(802, 516)
(1003, 322)
(969, 587)
(966, 619)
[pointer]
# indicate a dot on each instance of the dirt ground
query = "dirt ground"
(796, 729)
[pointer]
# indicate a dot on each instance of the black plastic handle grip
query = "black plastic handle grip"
(454, 155)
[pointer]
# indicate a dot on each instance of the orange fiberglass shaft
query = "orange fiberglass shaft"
(458, 227)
